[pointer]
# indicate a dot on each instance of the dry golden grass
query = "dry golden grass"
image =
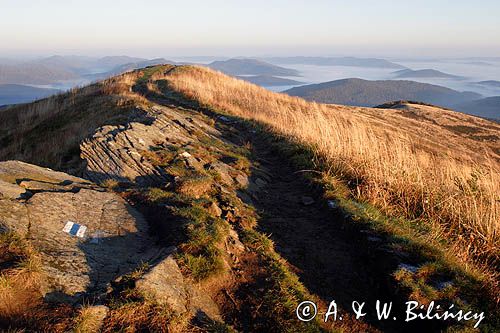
(402, 165)
(89, 319)
(21, 281)
(195, 187)
(139, 317)
(48, 132)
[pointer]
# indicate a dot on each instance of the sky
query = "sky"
(152, 28)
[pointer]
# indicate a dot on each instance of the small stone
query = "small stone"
(165, 284)
(242, 180)
(307, 201)
(245, 198)
(332, 204)
(191, 161)
(235, 241)
(223, 171)
(443, 285)
(214, 210)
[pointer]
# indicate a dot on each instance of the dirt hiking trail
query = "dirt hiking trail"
(334, 258)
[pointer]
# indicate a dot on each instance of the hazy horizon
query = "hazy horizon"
(277, 28)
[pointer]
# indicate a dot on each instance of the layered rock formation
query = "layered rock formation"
(38, 203)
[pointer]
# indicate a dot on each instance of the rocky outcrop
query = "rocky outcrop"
(106, 237)
(89, 238)
(39, 203)
(120, 152)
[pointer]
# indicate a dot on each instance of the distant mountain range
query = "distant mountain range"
(119, 69)
(55, 69)
(486, 107)
(490, 83)
(32, 73)
(83, 65)
(360, 92)
(424, 73)
(270, 81)
(335, 61)
(236, 67)
(16, 78)
(495, 59)
(478, 63)
(15, 93)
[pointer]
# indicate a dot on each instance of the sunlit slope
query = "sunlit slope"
(413, 160)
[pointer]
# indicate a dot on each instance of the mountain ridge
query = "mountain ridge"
(270, 81)
(238, 66)
(337, 61)
(359, 92)
(488, 107)
(490, 83)
(425, 73)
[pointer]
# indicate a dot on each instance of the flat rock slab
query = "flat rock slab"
(15, 172)
(12, 191)
(114, 242)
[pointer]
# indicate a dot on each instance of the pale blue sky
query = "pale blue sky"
(253, 27)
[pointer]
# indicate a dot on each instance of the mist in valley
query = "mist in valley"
(471, 73)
